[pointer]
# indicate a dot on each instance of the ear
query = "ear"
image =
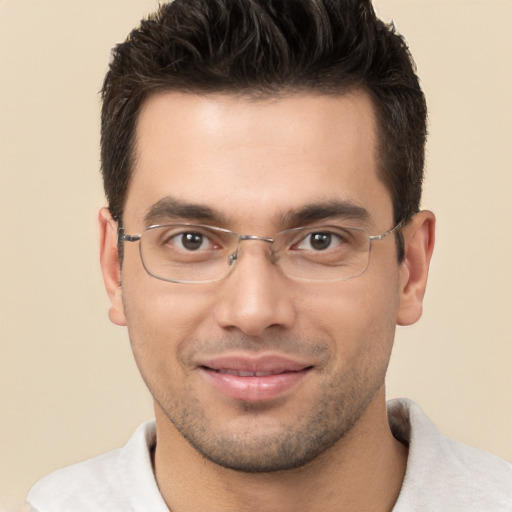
(110, 266)
(419, 237)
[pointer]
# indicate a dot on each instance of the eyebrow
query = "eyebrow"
(345, 210)
(170, 208)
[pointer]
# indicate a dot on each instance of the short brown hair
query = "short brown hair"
(267, 48)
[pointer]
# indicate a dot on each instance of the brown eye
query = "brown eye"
(192, 241)
(316, 241)
(320, 241)
(189, 241)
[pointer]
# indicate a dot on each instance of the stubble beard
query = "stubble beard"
(251, 448)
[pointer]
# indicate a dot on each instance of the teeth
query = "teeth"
(229, 372)
(246, 374)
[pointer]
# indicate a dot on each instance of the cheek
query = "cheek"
(357, 316)
(161, 318)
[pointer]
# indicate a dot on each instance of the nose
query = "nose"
(254, 296)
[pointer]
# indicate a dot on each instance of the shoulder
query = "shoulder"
(443, 474)
(80, 487)
(110, 482)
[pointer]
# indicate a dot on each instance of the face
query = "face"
(259, 372)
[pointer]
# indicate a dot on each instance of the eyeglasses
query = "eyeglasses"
(195, 253)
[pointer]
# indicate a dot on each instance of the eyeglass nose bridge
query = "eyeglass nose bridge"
(233, 257)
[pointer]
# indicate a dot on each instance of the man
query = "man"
(263, 163)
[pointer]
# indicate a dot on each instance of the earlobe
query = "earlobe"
(419, 236)
(110, 265)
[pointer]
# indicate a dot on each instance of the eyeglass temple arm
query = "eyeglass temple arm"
(122, 237)
(384, 235)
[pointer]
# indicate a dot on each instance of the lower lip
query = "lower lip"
(254, 389)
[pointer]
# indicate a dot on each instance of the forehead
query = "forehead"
(256, 159)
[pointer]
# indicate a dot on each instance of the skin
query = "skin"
(324, 442)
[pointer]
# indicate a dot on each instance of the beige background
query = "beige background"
(68, 386)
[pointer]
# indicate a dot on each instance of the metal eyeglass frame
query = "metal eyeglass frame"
(123, 237)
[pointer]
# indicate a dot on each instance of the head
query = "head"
(269, 48)
(259, 117)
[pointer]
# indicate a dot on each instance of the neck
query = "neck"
(363, 471)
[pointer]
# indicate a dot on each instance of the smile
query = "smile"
(241, 373)
(254, 379)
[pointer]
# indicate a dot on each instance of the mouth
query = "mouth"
(254, 379)
(242, 373)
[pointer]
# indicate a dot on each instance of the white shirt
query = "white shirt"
(442, 475)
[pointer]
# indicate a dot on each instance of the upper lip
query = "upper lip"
(266, 363)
